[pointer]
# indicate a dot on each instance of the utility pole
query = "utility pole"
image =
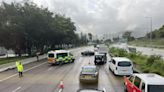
(151, 29)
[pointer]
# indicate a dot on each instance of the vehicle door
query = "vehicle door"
(124, 66)
(137, 83)
(142, 86)
(113, 63)
(129, 83)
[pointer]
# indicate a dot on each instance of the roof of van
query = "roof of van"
(121, 59)
(97, 53)
(151, 78)
(58, 51)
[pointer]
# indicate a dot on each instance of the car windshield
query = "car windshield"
(155, 88)
(98, 56)
(124, 64)
(51, 55)
(88, 70)
(61, 55)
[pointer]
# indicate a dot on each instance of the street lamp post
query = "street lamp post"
(151, 23)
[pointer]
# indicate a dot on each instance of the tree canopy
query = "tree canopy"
(24, 27)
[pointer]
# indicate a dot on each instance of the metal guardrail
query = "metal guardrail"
(9, 66)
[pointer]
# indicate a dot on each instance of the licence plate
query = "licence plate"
(124, 70)
(87, 77)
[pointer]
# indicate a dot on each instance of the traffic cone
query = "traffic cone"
(61, 85)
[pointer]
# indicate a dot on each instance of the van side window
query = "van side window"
(143, 87)
(137, 82)
(131, 79)
(113, 61)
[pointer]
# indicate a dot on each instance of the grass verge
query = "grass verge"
(146, 64)
(10, 59)
(155, 43)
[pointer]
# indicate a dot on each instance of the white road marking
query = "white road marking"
(16, 89)
(49, 69)
(24, 71)
(60, 90)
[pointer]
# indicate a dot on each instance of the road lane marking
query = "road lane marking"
(60, 90)
(24, 71)
(16, 89)
(49, 69)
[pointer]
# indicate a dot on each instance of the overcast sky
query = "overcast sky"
(109, 16)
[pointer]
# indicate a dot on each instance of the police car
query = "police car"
(60, 57)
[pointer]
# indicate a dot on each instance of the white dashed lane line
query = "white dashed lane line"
(15, 90)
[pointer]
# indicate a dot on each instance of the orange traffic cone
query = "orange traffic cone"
(61, 85)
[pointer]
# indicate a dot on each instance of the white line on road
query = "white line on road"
(60, 90)
(49, 69)
(16, 89)
(24, 71)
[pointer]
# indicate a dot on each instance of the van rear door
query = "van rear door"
(124, 67)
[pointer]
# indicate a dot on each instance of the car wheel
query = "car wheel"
(73, 60)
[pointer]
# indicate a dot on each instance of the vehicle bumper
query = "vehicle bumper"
(91, 80)
(124, 74)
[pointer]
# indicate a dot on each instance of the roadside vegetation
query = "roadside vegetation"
(10, 59)
(26, 28)
(154, 39)
(146, 64)
(155, 43)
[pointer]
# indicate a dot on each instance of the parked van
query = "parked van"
(60, 57)
(145, 82)
(121, 66)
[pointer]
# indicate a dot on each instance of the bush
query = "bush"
(153, 63)
(152, 59)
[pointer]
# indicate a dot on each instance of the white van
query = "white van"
(121, 66)
(60, 56)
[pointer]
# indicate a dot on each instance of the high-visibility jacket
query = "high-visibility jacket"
(20, 68)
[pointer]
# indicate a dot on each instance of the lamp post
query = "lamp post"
(151, 22)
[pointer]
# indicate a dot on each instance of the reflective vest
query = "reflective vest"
(20, 68)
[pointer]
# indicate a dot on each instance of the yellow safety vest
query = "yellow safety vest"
(20, 68)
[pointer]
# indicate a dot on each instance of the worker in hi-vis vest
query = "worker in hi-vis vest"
(19, 68)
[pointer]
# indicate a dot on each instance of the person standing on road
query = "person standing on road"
(37, 56)
(20, 69)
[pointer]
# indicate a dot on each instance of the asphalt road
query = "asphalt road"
(42, 77)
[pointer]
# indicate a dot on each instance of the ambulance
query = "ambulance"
(60, 57)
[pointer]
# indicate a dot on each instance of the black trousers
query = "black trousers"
(20, 74)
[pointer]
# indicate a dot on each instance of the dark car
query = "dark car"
(90, 90)
(87, 53)
(100, 58)
(89, 74)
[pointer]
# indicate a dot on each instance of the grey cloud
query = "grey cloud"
(109, 16)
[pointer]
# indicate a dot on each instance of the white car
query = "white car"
(121, 66)
(145, 82)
